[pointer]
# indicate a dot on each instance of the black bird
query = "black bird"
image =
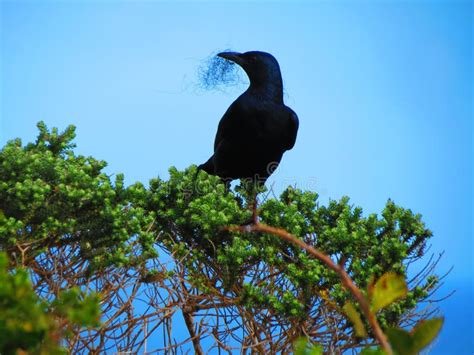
(257, 128)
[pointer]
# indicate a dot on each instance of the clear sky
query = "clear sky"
(383, 90)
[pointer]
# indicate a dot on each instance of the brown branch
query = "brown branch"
(345, 278)
(189, 320)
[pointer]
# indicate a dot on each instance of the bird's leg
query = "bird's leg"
(249, 192)
(254, 207)
(256, 185)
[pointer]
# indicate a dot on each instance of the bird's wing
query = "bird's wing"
(226, 126)
(220, 133)
(292, 129)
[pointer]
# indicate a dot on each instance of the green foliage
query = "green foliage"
(303, 347)
(408, 343)
(31, 324)
(381, 293)
(191, 208)
(23, 320)
(78, 308)
(354, 316)
(372, 351)
(425, 332)
(52, 199)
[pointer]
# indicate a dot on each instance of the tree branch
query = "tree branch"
(189, 320)
(345, 278)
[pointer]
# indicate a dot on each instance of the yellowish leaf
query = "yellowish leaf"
(387, 289)
(354, 316)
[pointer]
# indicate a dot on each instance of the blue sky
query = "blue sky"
(383, 90)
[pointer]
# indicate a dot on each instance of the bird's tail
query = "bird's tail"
(208, 166)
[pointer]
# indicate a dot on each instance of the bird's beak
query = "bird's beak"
(232, 56)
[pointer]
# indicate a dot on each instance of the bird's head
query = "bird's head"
(262, 68)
